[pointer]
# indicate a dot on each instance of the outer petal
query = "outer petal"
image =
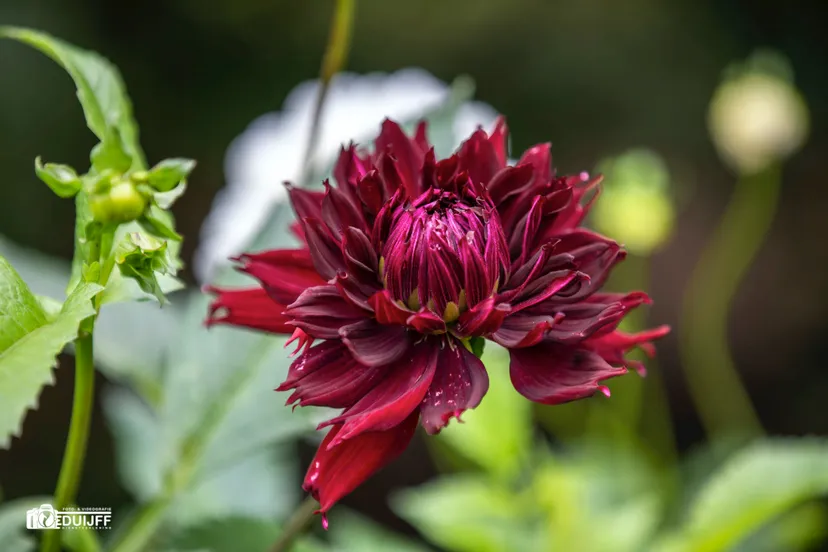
(375, 344)
(483, 319)
(336, 471)
(393, 399)
(328, 375)
(284, 273)
(325, 250)
(321, 311)
(250, 308)
(551, 373)
(459, 383)
(408, 154)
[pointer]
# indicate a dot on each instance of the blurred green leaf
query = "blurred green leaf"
(13, 534)
(237, 534)
(799, 529)
(101, 91)
(350, 532)
(29, 343)
(81, 540)
(754, 487)
(167, 174)
(470, 513)
(497, 435)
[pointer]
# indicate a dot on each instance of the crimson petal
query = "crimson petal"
(393, 399)
(375, 344)
(551, 373)
(250, 308)
(321, 311)
(284, 273)
(336, 471)
(459, 383)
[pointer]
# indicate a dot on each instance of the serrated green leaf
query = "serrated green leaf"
(29, 343)
(753, 488)
(100, 89)
(469, 514)
(13, 533)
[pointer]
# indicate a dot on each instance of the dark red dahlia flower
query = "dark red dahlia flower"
(407, 264)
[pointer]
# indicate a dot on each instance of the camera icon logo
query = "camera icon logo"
(44, 517)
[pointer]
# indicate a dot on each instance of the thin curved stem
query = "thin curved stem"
(720, 398)
(336, 53)
(296, 525)
(73, 457)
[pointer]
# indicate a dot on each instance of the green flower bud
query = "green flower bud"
(635, 206)
(62, 179)
(122, 203)
(167, 174)
(757, 116)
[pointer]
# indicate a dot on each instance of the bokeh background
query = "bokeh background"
(594, 77)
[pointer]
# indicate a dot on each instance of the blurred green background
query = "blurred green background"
(596, 78)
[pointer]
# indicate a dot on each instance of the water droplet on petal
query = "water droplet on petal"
(325, 522)
(584, 176)
(604, 389)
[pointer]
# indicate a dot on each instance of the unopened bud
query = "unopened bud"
(757, 116)
(122, 203)
(635, 207)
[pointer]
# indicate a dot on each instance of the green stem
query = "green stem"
(296, 525)
(73, 457)
(336, 53)
(720, 398)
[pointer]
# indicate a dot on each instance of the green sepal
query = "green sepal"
(478, 345)
(62, 179)
(91, 273)
(159, 223)
(167, 174)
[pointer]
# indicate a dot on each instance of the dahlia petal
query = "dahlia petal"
(421, 136)
(483, 319)
(249, 308)
(459, 383)
(371, 192)
(551, 373)
(540, 157)
(408, 154)
(478, 157)
(426, 322)
(330, 377)
(613, 345)
(360, 256)
(336, 471)
(375, 344)
(388, 311)
(355, 292)
(393, 399)
(522, 330)
(593, 255)
(321, 311)
(324, 249)
(339, 212)
(284, 273)
(498, 140)
(348, 169)
(510, 181)
(306, 203)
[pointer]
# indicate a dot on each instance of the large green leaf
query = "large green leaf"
(754, 488)
(471, 514)
(496, 435)
(101, 90)
(29, 343)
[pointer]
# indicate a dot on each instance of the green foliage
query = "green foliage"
(100, 89)
(236, 534)
(756, 486)
(13, 533)
(62, 179)
(29, 342)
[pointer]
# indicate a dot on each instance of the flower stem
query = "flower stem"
(336, 53)
(73, 457)
(296, 524)
(720, 398)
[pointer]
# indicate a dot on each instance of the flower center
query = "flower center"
(436, 252)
